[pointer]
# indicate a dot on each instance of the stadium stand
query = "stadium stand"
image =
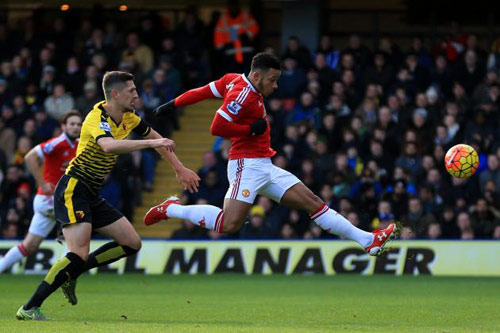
(366, 128)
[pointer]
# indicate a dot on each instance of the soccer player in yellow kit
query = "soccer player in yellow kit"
(78, 207)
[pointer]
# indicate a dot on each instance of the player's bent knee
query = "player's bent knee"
(131, 250)
(134, 245)
(137, 245)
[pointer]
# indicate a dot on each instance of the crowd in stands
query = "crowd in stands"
(365, 129)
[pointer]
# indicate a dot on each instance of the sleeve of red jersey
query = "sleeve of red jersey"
(45, 148)
(238, 104)
(214, 89)
(228, 129)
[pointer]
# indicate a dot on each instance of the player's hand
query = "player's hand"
(165, 143)
(188, 179)
(258, 127)
(164, 109)
(47, 188)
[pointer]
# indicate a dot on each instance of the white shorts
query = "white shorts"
(251, 176)
(43, 220)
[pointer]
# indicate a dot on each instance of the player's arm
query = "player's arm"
(224, 126)
(188, 178)
(100, 130)
(214, 89)
(33, 160)
(110, 145)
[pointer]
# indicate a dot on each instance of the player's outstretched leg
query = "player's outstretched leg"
(300, 197)
(334, 223)
(15, 254)
(205, 216)
(209, 217)
(29, 245)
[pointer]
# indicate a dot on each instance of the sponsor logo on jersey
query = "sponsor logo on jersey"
(105, 126)
(47, 148)
(234, 107)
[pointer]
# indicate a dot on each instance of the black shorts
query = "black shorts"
(74, 203)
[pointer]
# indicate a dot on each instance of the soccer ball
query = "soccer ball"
(461, 161)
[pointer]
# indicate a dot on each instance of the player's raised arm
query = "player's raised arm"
(186, 177)
(214, 89)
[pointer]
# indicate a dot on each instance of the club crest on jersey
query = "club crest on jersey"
(245, 193)
(234, 107)
(105, 126)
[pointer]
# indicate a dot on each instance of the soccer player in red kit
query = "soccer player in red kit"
(55, 154)
(242, 118)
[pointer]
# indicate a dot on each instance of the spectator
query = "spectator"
(434, 231)
(256, 229)
(465, 226)
(380, 72)
(59, 103)
(492, 173)
(90, 97)
(305, 111)
(485, 218)
(234, 37)
(292, 80)
(137, 53)
(332, 56)
(360, 52)
(7, 139)
(295, 50)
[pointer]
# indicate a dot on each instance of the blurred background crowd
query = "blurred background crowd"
(366, 128)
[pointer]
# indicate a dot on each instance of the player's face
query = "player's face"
(73, 127)
(268, 81)
(127, 97)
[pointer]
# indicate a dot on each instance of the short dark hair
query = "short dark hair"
(265, 61)
(113, 80)
(68, 115)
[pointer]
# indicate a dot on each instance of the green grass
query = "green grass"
(234, 303)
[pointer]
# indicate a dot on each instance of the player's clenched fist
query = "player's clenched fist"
(258, 127)
(164, 142)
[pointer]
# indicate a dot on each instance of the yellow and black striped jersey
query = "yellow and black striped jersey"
(91, 164)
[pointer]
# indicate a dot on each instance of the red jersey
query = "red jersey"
(57, 153)
(243, 105)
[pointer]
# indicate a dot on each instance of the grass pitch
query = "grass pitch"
(235, 303)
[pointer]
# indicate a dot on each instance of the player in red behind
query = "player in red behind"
(55, 154)
(242, 118)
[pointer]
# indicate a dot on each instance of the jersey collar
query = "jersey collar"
(67, 138)
(106, 114)
(249, 83)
